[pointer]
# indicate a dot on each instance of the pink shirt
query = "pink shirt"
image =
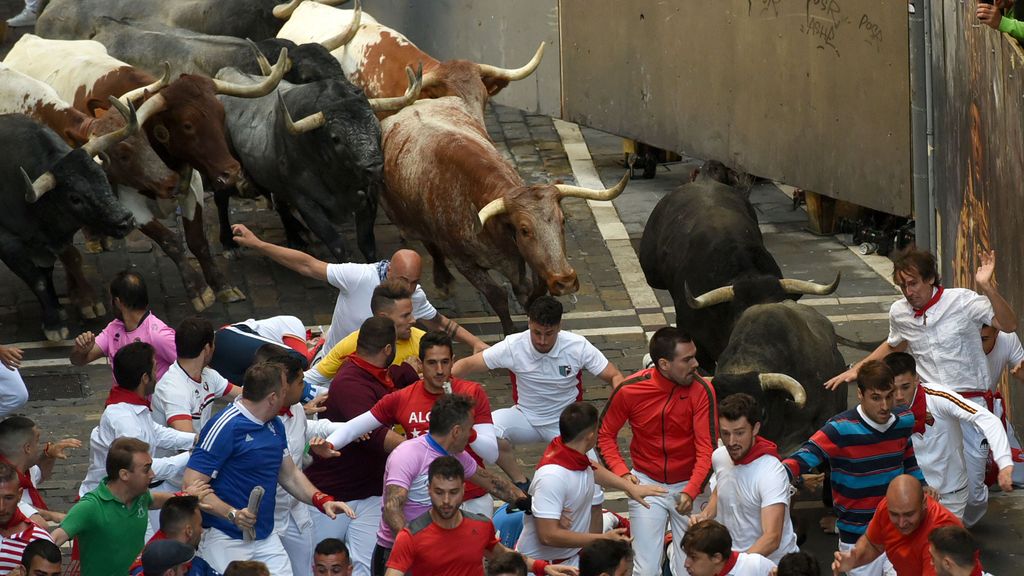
(151, 330)
(407, 467)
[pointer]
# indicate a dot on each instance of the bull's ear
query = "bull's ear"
(95, 104)
(161, 134)
(494, 84)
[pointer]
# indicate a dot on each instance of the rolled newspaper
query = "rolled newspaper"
(255, 497)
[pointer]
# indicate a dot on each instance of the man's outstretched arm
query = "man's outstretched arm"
(294, 260)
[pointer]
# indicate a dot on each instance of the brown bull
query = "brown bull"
(446, 185)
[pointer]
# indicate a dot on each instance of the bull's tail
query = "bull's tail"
(869, 346)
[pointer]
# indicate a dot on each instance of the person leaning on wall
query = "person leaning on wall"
(1002, 15)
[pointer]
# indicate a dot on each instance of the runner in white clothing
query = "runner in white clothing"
(939, 328)
(751, 489)
(356, 283)
(709, 552)
(13, 393)
(940, 414)
(546, 367)
(1003, 352)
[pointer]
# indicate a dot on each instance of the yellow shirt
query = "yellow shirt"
(331, 363)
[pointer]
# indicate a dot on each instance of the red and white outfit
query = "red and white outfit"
(675, 430)
(1005, 355)
(945, 339)
(410, 409)
(563, 484)
(743, 564)
(940, 416)
(13, 547)
(747, 486)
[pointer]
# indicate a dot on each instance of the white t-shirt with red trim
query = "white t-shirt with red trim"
(544, 384)
(751, 565)
(557, 490)
(179, 397)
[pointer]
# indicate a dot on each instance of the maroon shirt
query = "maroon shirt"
(359, 472)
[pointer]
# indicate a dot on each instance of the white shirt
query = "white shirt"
(134, 421)
(179, 397)
(544, 384)
(939, 451)
(356, 283)
(36, 474)
(751, 565)
(743, 491)
(298, 430)
(276, 328)
(946, 341)
(556, 489)
(1006, 353)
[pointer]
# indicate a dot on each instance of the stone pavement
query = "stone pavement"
(68, 400)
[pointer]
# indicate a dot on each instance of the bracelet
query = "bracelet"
(320, 499)
(46, 449)
(539, 566)
(181, 493)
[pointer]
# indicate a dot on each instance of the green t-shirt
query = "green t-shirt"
(110, 534)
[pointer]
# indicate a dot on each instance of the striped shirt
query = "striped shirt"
(863, 460)
(12, 547)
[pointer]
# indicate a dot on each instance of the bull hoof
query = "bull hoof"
(233, 253)
(204, 300)
(57, 334)
(92, 311)
(231, 294)
(93, 247)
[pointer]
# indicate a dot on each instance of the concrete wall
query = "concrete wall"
(494, 32)
(814, 93)
(979, 136)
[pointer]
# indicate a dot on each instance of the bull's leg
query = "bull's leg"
(443, 279)
(40, 282)
(366, 216)
(200, 247)
(80, 291)
(222, 199)
(199, 294)
(493, 293)
(293, 229)
(319, 223)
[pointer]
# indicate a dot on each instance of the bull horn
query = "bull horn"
(492, 209)
(805, 287)
(712, 298)
(514, 73)
(566, 191)
(788, 384)
(399, 102)
(154, 105)
(262, 88)
(265, 68)
(132, 95)
(97, 144)
(311, 122)
(331, 2)
(284, 11)
(35, 190)
(346, 35)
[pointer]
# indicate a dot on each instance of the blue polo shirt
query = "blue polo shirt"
(238, 452)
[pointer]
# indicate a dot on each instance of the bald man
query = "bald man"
(356, 283)
(900, 530)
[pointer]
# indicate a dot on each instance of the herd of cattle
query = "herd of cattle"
(97, 133)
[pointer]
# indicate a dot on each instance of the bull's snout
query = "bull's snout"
(373, 171)
(166, 187)
(564, 284)
(226, 178)
(123, 226)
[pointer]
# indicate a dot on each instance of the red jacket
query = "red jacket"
(675, 429)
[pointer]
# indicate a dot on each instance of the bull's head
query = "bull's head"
(782, 400)
(187, 120)
(758, 291)
(534, 214)
(77, 186)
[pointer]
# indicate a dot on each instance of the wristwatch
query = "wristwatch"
(232, 514)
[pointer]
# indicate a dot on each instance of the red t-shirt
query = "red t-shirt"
(439, 552)
(909, 553)
(410, 408)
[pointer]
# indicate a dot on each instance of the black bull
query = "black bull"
(323, 166)
(784, 338)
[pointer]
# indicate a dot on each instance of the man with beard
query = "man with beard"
(447, 541)
(16, 529)
(752, 492)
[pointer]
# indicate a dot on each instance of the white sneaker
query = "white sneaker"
(25, 18)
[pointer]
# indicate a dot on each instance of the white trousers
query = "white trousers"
(298, 544)
(359, 533)
(648, 528)
(484, 506)
(955, 502)
(976, 459)
(880, 567)
(13, 394)
(219, 550)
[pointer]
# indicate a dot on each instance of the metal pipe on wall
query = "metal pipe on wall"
(921, 125)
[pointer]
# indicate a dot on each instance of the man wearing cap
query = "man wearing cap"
(166, 557)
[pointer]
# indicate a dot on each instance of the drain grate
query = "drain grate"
(57, 385)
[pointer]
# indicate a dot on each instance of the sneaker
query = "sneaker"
(25, 18)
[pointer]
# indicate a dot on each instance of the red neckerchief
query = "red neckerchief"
(285, 412)
(918, 312)
(17, 518)
(761, 447)
(978, 570)
(380, 374)
(120, 395)
(561, 455)
(158, 535)
(920, 410)
(730, 563)
(25, 482)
